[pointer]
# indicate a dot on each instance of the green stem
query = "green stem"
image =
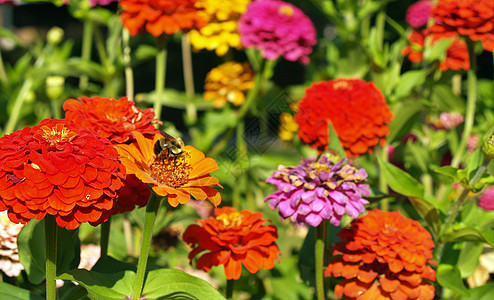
(380, 22)
(471, 102)
(127, 228)
(151, 212)
(129, 76)
(3, 74)
(160, 73)
(100, 46)
(190, 108)
(229, 288)
(319, 260)
(51, 256)
(105, 237)
(383, 185)
(87, 44)
(19, 102)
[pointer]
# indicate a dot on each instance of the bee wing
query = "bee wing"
(166, 135)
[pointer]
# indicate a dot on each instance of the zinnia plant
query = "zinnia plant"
(233, 239)
(383, 255)
(277, 28)
(356, 109)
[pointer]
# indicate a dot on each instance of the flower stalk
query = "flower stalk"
(190, 108)
(160, 73)
(105, 237)
(229, 288)
(51, 256)
(129, 75)
(151, 212)
(87, 44)
(319, 260)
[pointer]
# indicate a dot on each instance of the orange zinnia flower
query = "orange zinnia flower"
(116, 120)
(232, 239)
(161, 16)
(472, 18)
(383, 255)
(61, 169)
(357, 110)
(177, 177)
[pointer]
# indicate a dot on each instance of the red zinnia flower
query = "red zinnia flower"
(115, 120)
(61, 169)
(456, 55)
(357, 110)
(383, 255)
(472, 18)
(232, 239)
(161, 16)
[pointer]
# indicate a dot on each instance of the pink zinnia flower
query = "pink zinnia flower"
(419, 13)
(317, 190)
(486, 200)
(277, 28)
(101, 2)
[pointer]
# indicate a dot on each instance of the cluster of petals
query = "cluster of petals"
(448, 121)
(116, 120)
(383, 255)
(471, 18)
(456, 55)
(418, 14)
(160, 16)
(9, 253)
(318, 190)
(59, 168)
(177, 177)
(221, 31)
(277, 28)
(101, 2)
(356, 109)
(233, 239)
(228, 82)
(486, 200)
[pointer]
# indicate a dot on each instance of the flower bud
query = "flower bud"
(54, 87)
(55, 35)
(488, 147)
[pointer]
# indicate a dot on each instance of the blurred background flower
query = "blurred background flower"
(233, 239)
(228, 82)
(9, 254)
(160, 16)
(486, 200)
(356, 109)
(277, 28)
(318, 190)
(221, 31)
(418, 14)
(383, 255)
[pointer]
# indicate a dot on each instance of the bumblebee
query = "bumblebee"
(168, 145)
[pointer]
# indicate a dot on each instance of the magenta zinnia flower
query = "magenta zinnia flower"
(277, 28)
(317, 190)
(419, 13)
(486, 200)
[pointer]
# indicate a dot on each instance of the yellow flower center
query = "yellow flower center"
(342, 85)
(173, 170)
(286, 10)
(57, 134)
(230, 220)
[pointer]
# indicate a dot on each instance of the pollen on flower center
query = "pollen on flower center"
(172, 171)
(286, 10)
(230, 220)
(342, 85)
(57, 134)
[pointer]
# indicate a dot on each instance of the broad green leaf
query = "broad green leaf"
(31, 243)
(466, 234)
(469, 258)
(480, 293)
(408, 81)
(145, 52)
(450, 277)
(108, 264)
(334, 141)
(400, 181)
(404, 112)
(103, 286)
(438, 50)
(75, 293)
(12, 292)
(164, 282)
(488, 234)
(443, 97)
(448, 171)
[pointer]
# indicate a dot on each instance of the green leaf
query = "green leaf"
(404, 112)
(438, 50)
(108, 264)
(103, 286)
(450, 277)
(400, 181)
(443, 97)
(166, 282)
(11, 292)
(469, 258)
(31, 244)
(334, 141)
(448, 171)
(488, 234)
(408, 81)
(480, 293)
(465, 234)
